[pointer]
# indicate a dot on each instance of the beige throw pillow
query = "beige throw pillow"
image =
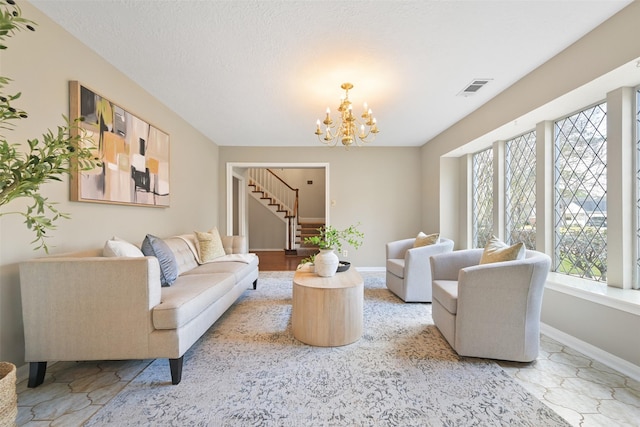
(209, 245)
(497, 251)
(426, 240)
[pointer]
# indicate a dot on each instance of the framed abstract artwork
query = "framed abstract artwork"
(134, 153)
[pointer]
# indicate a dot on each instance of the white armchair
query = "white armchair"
(489, 310)
(408, 268)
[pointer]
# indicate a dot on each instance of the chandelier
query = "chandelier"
(345, 131)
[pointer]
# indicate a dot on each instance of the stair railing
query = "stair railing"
(282, 195)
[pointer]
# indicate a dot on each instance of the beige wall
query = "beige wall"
(376, 186)
(266, 230)
(614, 331)
(41, 64)
(312, 196)
(550, 88)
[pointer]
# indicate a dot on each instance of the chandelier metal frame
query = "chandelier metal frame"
(345, 131)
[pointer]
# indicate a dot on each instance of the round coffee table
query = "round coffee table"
(327, 311)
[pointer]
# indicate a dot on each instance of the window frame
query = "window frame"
(474, 222)
(620, 289)
(554, 255)
(507, 182)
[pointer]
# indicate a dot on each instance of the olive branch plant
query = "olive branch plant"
(55, 154)
(329, 237)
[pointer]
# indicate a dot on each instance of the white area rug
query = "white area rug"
(249, 370)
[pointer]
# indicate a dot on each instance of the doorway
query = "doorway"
(237, 200)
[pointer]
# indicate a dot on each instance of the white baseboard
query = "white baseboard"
(371, 269)
(624, 367)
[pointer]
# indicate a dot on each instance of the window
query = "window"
(482, 197)
(520, 190)
(581, 194)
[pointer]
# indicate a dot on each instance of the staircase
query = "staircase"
(307, 229)
(282, 200)
(267, 199)
(279, 197)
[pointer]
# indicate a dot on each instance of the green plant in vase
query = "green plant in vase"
(331, 239)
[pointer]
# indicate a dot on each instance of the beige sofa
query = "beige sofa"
(85, 306)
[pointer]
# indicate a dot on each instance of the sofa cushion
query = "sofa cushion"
(396, 267)
(238, 268)
(234, 244)
(117, 247)
(153, 246)
(446, 292)
(209, 245)
(183, 248)
(189, 296)
(498, 251)
(426, 240)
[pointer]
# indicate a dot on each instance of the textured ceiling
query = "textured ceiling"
(259, 73)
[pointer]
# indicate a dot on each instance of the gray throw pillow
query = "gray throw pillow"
(153, 246)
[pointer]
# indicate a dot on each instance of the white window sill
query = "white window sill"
(627, 300)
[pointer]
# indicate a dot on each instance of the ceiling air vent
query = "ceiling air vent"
(474, 87)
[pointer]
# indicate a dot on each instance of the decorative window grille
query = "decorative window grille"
(482, 197)
(520, 190)
(637, 284)
(581, 194)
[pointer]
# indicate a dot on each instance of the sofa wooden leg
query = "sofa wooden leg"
(176, 370)
(255, 284)
(36, 373)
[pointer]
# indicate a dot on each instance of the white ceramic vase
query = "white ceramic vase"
(326, 263)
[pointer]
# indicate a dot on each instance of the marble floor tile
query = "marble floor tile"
(584, 392)
(74, 391)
